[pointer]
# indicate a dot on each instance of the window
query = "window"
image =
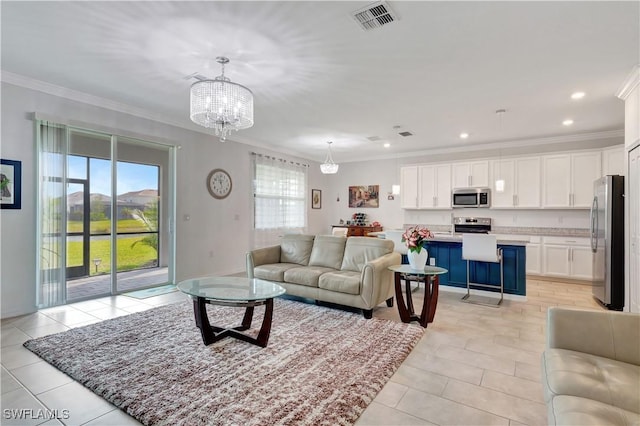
(280, 189)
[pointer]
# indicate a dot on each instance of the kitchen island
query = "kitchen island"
(446, 249)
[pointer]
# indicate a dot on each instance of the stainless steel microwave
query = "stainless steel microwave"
(471, 197)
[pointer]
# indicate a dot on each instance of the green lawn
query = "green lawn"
(104, 226)
(128, 258)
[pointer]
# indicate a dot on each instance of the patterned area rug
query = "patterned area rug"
(321, 366)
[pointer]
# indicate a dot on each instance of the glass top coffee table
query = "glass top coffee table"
(236, 292)
(429, 275)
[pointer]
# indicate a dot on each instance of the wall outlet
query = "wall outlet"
(432, 261)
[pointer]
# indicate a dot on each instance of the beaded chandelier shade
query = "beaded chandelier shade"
(221, 105)
(329, 167)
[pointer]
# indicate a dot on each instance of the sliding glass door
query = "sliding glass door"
(105, 203)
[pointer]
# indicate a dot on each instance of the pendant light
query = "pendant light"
(499, 184)
(329, 167)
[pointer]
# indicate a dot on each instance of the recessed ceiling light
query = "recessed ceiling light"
(387, 145)
(567, 122)
(577, 95)
(464, 135)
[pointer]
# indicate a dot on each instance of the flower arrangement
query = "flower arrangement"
(415, 237)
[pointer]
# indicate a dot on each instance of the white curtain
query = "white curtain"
(279, 199)
(52, 142)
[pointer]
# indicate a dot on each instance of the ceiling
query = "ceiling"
(441, 69)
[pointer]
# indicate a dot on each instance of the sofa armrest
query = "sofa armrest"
(377, 279)
(609, 334)
(262, 256)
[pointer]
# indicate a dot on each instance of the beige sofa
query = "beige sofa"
(591, 367)
(346, 271)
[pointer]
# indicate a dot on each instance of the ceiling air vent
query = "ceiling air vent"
(405, 134)
(374, 16)
(374, 138)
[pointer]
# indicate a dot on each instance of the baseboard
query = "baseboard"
(514, 297)
(559, 280)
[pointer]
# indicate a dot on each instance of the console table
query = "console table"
(358, 230)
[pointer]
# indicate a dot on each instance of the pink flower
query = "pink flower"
(415, 237)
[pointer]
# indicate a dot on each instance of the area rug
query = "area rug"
(322, 366)
(150, 292)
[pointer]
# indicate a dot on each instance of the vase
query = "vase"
(417, 260)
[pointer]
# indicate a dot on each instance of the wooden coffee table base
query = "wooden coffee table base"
(212, 333)
(405, 307)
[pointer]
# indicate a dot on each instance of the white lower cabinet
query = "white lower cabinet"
(567, 258)
(533, 256)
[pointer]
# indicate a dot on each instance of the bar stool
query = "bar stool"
(340, 232)
(482, 248)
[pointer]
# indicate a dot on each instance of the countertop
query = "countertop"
(446, 237)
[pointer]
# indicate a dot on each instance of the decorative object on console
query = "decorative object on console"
(364, 196)
(415, 238)
(329, 167)
(221, 104)
(219, 184)
(359, 219)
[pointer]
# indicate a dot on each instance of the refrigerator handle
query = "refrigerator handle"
(594, 224)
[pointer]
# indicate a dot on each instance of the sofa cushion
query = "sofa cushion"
(573, 410)
(567, 372)
(360, 250)
(273, 271)
(307, 275)
(327, 251)
(296, 248)
(341, 282)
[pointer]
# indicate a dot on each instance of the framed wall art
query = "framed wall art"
(316, 199)
(10, 184)
(364, 196)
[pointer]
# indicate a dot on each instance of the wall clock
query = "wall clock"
(219, 184)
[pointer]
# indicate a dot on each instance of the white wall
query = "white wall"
(213, 241)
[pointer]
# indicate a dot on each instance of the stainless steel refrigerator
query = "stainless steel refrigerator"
(607, 241)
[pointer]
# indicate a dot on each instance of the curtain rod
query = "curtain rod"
(279, 159)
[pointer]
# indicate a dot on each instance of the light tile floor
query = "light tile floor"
(474, 365)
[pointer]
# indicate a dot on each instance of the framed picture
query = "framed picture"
(316, 199)
(10, 184)
(364, 196)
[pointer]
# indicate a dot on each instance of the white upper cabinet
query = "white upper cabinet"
(470, 174)
(521, 178)
(434, 186)
(613, 161)
(409, 187)
(585, 169)
(568, 179)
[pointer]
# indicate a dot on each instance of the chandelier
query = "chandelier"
(221, 105)
(329, 167)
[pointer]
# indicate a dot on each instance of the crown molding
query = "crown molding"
(630, 83)
(85, 98)
(521, 143)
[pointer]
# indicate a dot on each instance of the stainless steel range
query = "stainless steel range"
(472, 225)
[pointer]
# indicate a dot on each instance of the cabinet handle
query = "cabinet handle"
(470, 179)
(517, 200)
(513, 201)
(435, 203)
(569, 255)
